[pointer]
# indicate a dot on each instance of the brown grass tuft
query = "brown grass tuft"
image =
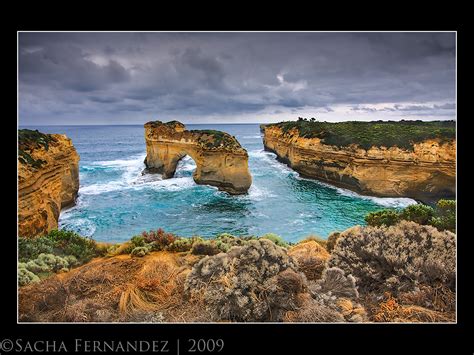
(310, 258)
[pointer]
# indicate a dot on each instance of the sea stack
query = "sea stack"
(220, 159)
(424, 170)
(48, 180)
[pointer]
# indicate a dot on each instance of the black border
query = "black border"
(255, 338)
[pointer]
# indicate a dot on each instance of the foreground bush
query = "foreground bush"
(443, 217)
(419, 213)
(333, 298)
(310, 258)
(382, 218)
(57, 251)
(25, 276)
(397, 258)
(58, 242)
(254, 282)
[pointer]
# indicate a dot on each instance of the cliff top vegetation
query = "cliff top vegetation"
(210, 138)
(403, 134)
(400, 273)
(28, 140)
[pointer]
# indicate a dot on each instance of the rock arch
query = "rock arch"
(220, 160)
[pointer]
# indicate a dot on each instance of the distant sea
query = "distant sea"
(116, 202)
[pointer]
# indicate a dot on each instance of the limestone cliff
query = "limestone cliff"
(220, 160)
(426, 173)
(48, 180)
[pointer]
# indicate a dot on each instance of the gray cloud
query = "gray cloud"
(81, 77)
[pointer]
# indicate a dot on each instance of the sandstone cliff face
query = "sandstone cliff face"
(427, 173)
(43, 190)
(220, 160)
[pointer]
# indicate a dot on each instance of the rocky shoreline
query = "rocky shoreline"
(425, 173)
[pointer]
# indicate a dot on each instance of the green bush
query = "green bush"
(58, 242)
(47, 263)
(418, 213)
(140, 251)
(383, 217)
(138, 241)
(445, 218)
(26, 277)
(31, 248)
(275, 239)
(181, 245)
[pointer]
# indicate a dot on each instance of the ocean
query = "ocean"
(116, 201)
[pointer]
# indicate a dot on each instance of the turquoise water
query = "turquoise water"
(116, 202)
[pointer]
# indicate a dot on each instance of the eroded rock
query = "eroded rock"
(220, 160)
(48, 180)
(426, 173)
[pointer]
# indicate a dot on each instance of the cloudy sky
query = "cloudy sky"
(131, 78)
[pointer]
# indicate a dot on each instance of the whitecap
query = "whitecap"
(392, 202)
(174, 184)
(82, 226)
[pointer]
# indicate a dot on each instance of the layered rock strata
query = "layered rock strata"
(48, 180)
(220, 160)
(426, 173)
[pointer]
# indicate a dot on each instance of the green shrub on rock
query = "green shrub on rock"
(417, 213)
(382, 218)
(232, 240)
(445, 218)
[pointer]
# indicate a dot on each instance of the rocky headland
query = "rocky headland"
(48, 180)
(387, 159)
(220, 159)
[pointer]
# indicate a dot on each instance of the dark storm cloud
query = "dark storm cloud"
(109, 77)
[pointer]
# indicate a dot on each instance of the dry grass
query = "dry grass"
(315, 238)
(311, 311)
(310, 258)
(119, 288)
(390, 310)
(351, 311)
